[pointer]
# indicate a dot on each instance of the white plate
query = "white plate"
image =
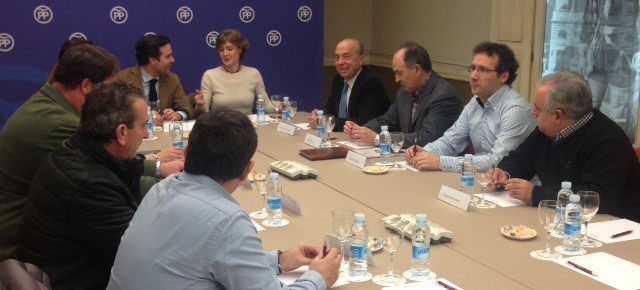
(375, 245)
(374, 169)
(152, 138)
(518, 232)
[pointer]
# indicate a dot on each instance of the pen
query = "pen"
(415, 144)
(583, 269)
(446, 286)
(324, 248)
(621, 234)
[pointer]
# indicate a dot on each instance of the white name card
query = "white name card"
(454, 197)
(290, 205)
(286, 128)
(356, 159)
(313, 140)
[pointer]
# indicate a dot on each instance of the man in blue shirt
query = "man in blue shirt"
(495, 121)
(189, 233)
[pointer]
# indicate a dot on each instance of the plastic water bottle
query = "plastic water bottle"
(286, 110)
(467, 177)
(563, 200)
(274, 199)
(176, 136)
(260, 110)
(358, 250)
(385, 146)
(420, 242)
(322, 131)
(572, 225)
(150, 122)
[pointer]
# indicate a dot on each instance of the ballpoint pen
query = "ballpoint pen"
(446, 286)
(583, 269)
(621, 234)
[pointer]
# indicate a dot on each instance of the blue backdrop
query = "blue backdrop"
(285, 37)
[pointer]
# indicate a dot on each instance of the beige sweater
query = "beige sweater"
(233, 90)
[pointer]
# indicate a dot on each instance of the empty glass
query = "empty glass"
(590, 202)
(329, 122)
(549, 220)
(483, 176)
(391, 241)
(294, 108)
(276, 101)
(341, 223)
(397, 141)
(260, 180)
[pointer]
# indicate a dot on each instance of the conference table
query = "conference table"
(478, 257)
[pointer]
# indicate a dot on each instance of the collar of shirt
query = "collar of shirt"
(352, 80)
(146, 77)
(495, 98)
(415, 97)
(566, 132)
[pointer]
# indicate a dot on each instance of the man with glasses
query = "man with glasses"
(495, 121)
(424, 107)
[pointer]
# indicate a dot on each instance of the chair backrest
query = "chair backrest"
(16, 275)
(638, 152)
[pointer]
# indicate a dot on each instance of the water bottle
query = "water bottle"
(322, 131)
(176, 136)
(572, 225)
(563, 200)
(420, 242)
(286, 110)
(467, 177)
(149, 122)
(385, 146)
(359, 248)
(274, 199)
(260, 110)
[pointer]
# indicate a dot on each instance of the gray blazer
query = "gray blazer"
(439, 107)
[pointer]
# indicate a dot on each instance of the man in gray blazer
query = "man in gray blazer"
(425, 106)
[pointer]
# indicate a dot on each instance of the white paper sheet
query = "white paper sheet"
(610, 270)
(355, 145)
(259, 228)
(303, 126)
(603, 231)
(426, 285)
(254, 119)
(500, 198)
(407, 165)
(291, 277)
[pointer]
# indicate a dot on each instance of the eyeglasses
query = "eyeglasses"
(480, 69)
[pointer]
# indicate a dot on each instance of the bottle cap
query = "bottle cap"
(468, 156)
(273, 176)
(260, 97)
(384, 128)
(421, 218)
(320, 112)
(358, 217)
(566, 184)
(574, 198)
(285, 99)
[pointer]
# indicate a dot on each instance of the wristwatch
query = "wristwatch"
(376, 141)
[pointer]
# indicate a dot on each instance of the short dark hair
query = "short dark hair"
(149, 46)
(234, 37)
(74, 41)
(569, 92)
(507, 61)
(85, 61)
(107, 106)
(221, 145)
(416, 54)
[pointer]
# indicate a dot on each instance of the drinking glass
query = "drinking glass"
(260, 180)
(329, 122)
(397, 140)
(294, 108)
(391, 241)
(483, 176)
(341, 223)
(276, 100)
(157, 116)
(590, 202)
(549, 220)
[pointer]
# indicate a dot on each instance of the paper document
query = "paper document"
(611, 270)
(303, 126)
(355, 145)
(603, 231)
(259, 228)
(291, 277)
(500, 198)
(254, 118)
(407, 165)
(426, 285)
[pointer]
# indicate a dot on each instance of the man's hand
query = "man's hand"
(171, 167)
(169, 154)
(359, 134)
(313, 119)
(328, 266)
(170, 115)
(198, 98)
(424, 160)
(498, 178)
(298, 256)
(520, 189)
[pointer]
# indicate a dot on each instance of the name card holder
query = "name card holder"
(454, 197)
(356, 159)
(290, 205)
(313, 140)
(288, 129)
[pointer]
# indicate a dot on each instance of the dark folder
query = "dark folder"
(325, 153)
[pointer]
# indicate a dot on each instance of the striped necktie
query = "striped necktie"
(342, 110)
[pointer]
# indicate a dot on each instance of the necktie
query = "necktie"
(153, 94)
(342, 110)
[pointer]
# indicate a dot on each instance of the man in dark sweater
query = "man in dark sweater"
(573, 142)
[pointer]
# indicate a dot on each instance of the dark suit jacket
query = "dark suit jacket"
(171, 93)
(368, 99)
(439, 107)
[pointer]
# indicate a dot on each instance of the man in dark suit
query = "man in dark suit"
(425, 106)
(155, 58)
(357, 94)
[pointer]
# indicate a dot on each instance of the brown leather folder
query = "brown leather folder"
(325, 153)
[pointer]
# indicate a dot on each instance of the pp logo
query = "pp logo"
(77, 35)
(211, 38)
(274, 38)
(247, 14)
(150, 33)
(304, 13)
(118, 15)
(6, 42)
(43, 14)
(184, 14)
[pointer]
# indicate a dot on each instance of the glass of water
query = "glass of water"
(329, 122)
(397, 140)
(260, 180)
(294, 108)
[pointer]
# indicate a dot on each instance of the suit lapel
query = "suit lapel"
(164, 92)
(424, 98)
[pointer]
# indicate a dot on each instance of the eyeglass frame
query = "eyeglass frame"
(480, 69)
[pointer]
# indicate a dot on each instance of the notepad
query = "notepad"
(611, 270)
